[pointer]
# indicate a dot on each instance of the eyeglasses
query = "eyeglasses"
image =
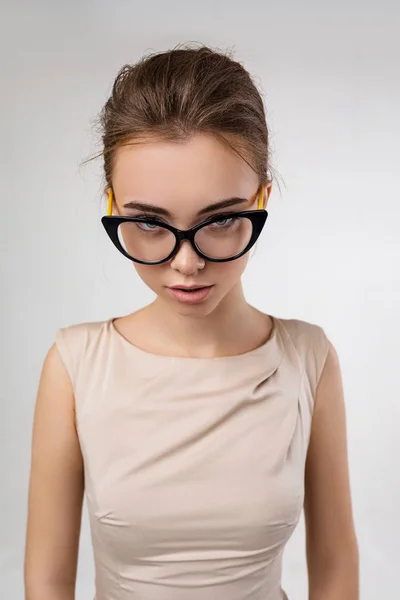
(221, 238)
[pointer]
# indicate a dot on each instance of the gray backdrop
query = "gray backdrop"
(330, 253)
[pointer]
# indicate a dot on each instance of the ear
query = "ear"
(267, 193)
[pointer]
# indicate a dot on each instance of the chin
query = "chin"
(200, 310)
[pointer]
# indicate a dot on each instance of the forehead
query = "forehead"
(181, 176)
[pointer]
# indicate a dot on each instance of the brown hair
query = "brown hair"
(172, 95)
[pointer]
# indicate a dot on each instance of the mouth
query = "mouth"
(190, 294)
(188, 288)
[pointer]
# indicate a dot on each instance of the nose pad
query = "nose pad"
(186, 260)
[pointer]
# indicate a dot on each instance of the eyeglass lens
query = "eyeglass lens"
(223, 239)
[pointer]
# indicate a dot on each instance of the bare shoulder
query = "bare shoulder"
(55, 393)
(54, 429)
(329, 393)
(328, 431)
(54, 373)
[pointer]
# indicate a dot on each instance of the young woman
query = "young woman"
(198, 426)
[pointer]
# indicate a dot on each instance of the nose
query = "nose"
(187, 261)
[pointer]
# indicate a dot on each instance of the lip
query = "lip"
(182, 293)
(188, 287)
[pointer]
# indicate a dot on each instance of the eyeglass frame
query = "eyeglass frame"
(257, 217)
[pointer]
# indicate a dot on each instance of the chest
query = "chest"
(190, 472)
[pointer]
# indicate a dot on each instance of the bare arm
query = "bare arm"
(332, 552)
(56, 489)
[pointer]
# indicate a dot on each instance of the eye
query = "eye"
(224, 223)
(144, 226)
(149, 224)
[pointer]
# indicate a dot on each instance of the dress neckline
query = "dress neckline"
(271, 347)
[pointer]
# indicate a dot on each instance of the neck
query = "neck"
(233, 327)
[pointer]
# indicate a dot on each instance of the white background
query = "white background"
(331, 249)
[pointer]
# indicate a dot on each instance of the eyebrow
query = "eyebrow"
(157, 210)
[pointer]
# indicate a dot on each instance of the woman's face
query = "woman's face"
(180, 181)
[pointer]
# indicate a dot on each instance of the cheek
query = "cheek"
(150, 275)
(229, 272)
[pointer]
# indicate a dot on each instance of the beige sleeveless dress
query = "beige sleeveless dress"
(194, 468)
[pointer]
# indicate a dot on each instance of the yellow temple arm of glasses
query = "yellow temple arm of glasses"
(109, 203)
(261, 199)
